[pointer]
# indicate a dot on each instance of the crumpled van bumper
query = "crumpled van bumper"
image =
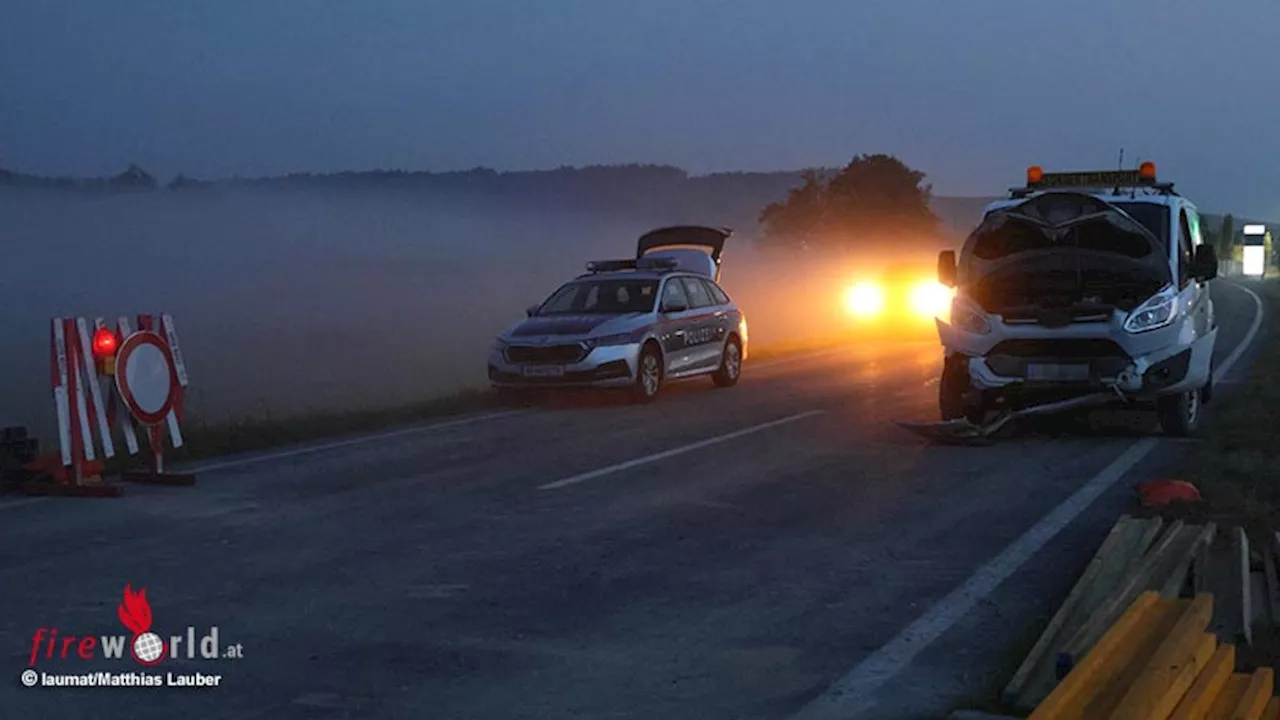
(1141, 366)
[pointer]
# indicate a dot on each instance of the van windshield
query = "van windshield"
(1153, 216)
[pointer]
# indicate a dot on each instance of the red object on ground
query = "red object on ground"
(50, 465)
(1158, 493)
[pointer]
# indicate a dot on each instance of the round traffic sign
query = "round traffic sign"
(146, 377)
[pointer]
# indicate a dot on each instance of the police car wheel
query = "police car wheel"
(648, 374)
(730, 365)
(1180, 414)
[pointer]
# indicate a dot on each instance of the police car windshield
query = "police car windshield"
(607, 297)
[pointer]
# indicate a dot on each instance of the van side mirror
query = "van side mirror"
(532, 310)
(1204, 264)
(947, 268)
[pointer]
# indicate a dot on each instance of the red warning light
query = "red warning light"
(104, 343)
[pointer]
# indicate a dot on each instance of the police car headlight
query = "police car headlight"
(609, 340)
(1158, 311)
(968, 317)
(499, 345)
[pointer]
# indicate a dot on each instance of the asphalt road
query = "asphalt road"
(774, 550)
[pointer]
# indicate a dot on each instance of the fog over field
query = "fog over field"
(294, 300)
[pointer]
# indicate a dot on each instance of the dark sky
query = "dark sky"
(970, 91)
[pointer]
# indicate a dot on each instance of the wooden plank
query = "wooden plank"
(1202, 569)
(1198, 701)
(1128, 556)
(1176, 581)
(1139, 653)
(1225, 704)
(1121, 560)
(1102, 618)
(1036, 676)
(1244, 576)
(1256, 695)
(1273, 710)
(1082, 686)
(1260, 607)
(1272, 584)
(1173, 667)
(1160, 564)
(1227, 579)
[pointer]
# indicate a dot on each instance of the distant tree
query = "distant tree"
(134, 177)
(875, 199)
(800, 214)
(1226, 236)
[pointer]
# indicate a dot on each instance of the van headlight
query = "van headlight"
(968, 317)
(1158, 311)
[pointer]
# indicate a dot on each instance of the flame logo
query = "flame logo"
(135, 611)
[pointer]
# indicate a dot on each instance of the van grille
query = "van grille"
(1009, 358)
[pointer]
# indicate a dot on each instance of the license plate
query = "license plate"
(543, 371)
(1057, 372)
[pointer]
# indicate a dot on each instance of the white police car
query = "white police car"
(635, 323)
(1080, 283)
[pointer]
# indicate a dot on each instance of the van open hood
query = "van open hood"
(1064, 254)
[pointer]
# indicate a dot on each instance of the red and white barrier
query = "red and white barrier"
(150, 378)
(74, 377)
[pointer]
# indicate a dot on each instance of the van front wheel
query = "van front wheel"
(1180, 414)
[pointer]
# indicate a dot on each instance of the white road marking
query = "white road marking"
(574, 480)
(353, 441)
(1236, 354)
(855, 692)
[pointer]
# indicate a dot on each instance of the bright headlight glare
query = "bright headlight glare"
(864, 299)
(1158, 311)
(968, 317)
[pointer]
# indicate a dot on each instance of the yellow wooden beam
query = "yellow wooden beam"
(1195, 705)
(1256, 695)
(1225, 704)
(1173, 667)
(1110, 655)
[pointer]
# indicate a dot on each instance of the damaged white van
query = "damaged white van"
(1077, 285)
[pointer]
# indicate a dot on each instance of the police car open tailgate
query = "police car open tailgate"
(684, 236)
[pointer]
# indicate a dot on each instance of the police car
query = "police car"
(1080, 283)
(635, 323)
